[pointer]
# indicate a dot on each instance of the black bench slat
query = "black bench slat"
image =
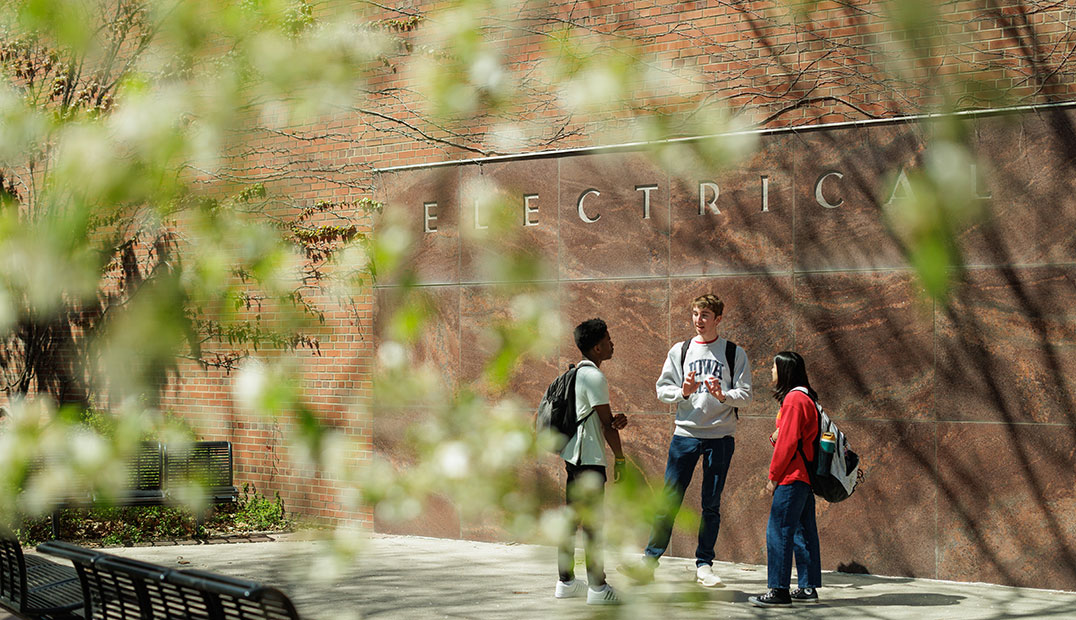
(270, 606)
(111, 595)
(145, 477)
(12, 572)
(73, 494)
(35, 560)
(171, 601)
(32, 586)
(55, 597)
(38, 575)
(120, 588)
(240, 599)
(206, 464)
(144, 471)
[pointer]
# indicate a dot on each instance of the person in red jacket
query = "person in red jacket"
(792, 531)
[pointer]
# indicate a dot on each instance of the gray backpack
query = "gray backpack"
(834, 476)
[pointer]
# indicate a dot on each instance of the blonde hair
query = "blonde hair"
(710, 302)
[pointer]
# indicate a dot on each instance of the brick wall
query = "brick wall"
(834, 61)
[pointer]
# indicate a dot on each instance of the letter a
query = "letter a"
(901, 184)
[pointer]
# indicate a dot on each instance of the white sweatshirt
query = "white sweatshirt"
(701, 415)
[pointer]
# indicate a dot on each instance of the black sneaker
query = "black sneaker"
(804, 595)
(774, 597)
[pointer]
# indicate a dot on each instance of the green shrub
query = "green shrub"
(112, 526)
(259, 513)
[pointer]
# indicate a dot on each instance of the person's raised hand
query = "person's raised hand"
(713, 386)
(690, 385)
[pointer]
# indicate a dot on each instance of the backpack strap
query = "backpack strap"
(730, 357)
(730, 354)
(578, 423)
(799, 446)
(806, 464)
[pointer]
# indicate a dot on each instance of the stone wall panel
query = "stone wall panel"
(962, 408)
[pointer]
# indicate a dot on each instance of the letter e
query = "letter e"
(430, 223)
(528, 210)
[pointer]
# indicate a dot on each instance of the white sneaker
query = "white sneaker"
(605, 595)
(706, 576)
(571, 589)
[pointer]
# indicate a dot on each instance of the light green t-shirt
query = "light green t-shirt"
(591, 390)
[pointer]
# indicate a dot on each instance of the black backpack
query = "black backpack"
(556, 414)
(730, 354)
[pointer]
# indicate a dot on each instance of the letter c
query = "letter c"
(818, 190)
(579, 206)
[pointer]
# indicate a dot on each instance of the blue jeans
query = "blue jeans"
(792, 531)
(684, 453)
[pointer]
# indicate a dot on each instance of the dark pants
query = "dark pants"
(584, 494)
(684, 453)
(792, 531)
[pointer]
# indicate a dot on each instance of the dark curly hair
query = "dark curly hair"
(589, 333)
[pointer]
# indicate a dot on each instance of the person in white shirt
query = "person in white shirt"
(584, 460)
(707, 378)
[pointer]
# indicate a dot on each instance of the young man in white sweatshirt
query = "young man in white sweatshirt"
(707, 388)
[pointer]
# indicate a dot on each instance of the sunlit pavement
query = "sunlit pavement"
(413, 577)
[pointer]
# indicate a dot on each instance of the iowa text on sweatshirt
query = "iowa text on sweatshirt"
(701, 415)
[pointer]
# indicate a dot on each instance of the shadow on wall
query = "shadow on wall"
(963, 410)
(1003, 366)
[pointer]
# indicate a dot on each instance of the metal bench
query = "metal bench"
(207, 464)
(118, 588)
(145, 476)
(145, 471)
(155, 472)
(34, 587)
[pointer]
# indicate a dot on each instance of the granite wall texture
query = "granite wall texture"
(965, 413)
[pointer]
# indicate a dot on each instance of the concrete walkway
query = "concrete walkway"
(405, 577)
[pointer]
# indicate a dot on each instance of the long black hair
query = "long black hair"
(791, 373)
